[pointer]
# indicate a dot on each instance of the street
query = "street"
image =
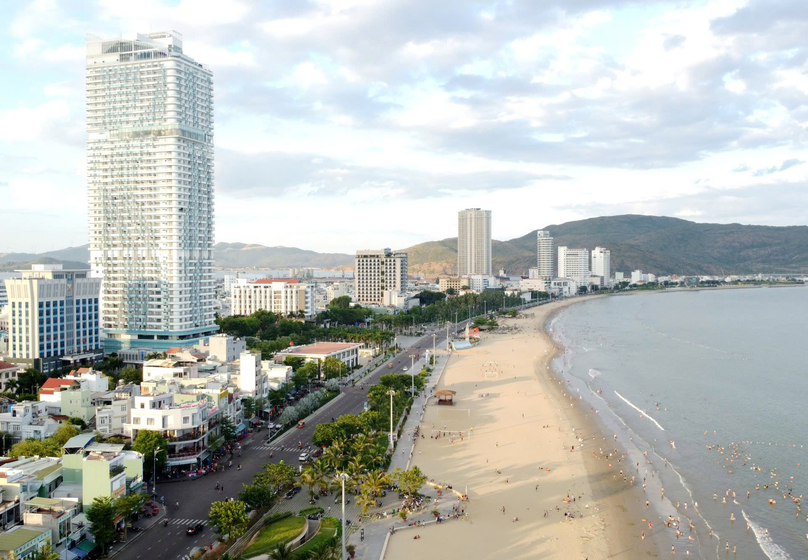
(195, 496)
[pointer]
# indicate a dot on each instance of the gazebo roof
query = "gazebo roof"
(445, 393)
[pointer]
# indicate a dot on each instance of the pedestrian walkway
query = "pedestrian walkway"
(187, 521)
(289, 448)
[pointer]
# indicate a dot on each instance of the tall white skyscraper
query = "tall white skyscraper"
(474, 242)
(602, 264)
(150, 182)
(544, 254)
(574, 264)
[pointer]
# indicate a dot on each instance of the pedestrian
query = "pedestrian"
(503, 510)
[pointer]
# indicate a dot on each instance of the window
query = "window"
(150, 421)
(186, 419)
(136, 420)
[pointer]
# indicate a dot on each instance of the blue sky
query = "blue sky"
(346, 124)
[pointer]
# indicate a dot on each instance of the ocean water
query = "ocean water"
(716, 383)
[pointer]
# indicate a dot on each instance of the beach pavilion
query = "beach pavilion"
(445, 396)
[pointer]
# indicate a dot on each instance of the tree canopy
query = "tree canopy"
(147, 442)
(102, 519)
(229, 518)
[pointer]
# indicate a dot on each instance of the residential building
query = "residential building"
(474, 242)
(544, 255)
(57, 515)
(338, 289)
(54, 317)
(602, 264)
(285, 297)
(3, 296)
(94, 380)
(98, 470)
(533, 285)
(562, 287)
(5, 314)
(574, 264)
(184, 425)
(619, 277)
(636, 276)
(222, 347)
(22, 542)
(169, 368)
(481, 282)
(378, 272)
(8, 372)
(24, 414)
(346, 352)
(595, 281)
(112, 410)
(150, 189)
(455, 283)
(25, 478)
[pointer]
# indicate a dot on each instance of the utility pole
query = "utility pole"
(412, 375)
(343, 477)
(434, 344)
(391, 393)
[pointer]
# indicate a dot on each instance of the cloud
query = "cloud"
(788, 164)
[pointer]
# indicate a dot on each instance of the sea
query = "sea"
(715, 383)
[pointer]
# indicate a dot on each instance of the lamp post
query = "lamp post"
(391, 393)
(154, 470)
(343, 477)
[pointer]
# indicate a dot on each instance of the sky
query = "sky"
(354, 124)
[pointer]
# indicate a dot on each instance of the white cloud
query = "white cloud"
(25, 124)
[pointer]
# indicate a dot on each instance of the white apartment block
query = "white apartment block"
(574, 264)
(337, 289)
(378, 272)
(184, 425)
(54, 314)
(474, 242)
(150, 190)
(544, 255)
(222, 347)
(481, 282)
(169, 368)
(286, 297)
(602, 264)
(23, 414)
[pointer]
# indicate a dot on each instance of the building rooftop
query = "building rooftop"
(79, 442)
(273, 280)
(52, 384)
(15, 538)
(324, 348)
(6, 365)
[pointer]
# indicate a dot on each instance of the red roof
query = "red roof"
(272, 280)
(80, 371)
(174, 350)
(324, 348)
(6, 365)
(56, 383)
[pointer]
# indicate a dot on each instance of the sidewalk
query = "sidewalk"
(145, 523)
(376, 531)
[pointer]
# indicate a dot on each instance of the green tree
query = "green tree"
(33, 448)
(256, 496)
(156, 355)
(451, 292)
(228, 429)
(229, 518)
(102, 520)
(281, 551)
(131, 374)
(130, 504)
(342, 302)
(45, 553)
(309, 478)
(63, 434)
(29, 381)
(409, 481)
(295, 361)
(248, 405)
(78, 422)
(311, 370)
(325, 433)
(428, 298)
(147, 442)
(333, 368)
(276, 476)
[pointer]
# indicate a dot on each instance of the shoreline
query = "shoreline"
(519, 451)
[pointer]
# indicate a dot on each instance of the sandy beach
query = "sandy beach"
(524, 455)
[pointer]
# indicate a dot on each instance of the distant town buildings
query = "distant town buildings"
(285, 297)
(150, 190)
(346, 352)
(455, 283)
(544, 255)
(379, 276)
(54, 317)
(574, 264)
(474, 242)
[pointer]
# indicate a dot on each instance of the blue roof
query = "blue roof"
(79, 442)
(461, 345)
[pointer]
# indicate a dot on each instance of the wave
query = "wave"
(632, 405)
(767, 545)
(593, 373)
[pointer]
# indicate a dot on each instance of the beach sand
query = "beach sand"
(519, 455)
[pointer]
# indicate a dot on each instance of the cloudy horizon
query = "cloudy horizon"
(346, 124)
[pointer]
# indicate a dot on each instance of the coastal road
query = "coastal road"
(195, 496)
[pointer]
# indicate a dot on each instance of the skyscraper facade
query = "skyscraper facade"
(574, 264)
(602, 264)
(474, 242)
(378, 275)
(544, 254)
(150, 183)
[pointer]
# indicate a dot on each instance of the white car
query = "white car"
(304, 458)
(405, 368)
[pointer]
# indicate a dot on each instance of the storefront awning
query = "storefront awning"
(181, 461)
(241, 427)
(77, 552)
(86, 546)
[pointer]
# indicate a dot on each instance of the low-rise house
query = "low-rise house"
(20, 542)
(346, 352)
(22, 414)
(25, 478)
(170, 368)
(58, 516)
(8, 372)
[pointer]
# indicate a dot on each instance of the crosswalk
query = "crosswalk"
(289, 448)
(187, 521)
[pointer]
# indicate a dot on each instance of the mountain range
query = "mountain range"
(651, 243)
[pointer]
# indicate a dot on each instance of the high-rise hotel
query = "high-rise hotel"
(474, 242)
(150, 181)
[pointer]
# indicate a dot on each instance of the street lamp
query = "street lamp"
(343, 477)
(391, 393)
(154, 470)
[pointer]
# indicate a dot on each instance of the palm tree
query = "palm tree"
(281, 552)
(374, 483)
(309, 478)
(321, 552)
(333, 456)
(361, 445)
(355, 467)
(321, 471)
(365, 500)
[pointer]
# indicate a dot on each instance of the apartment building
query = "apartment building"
(573, 264)
(8, 372)
(474, 242)
(544, 255)
(222, 347)
(455, 283)
(602, 264)
(378, 273)
(150, 189)
(285, 297)
(54, 317)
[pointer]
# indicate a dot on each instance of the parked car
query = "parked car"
(304, 458)
(289, 495)
(405, 368)
(301, 424)
(194, 529)
(390, 366)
